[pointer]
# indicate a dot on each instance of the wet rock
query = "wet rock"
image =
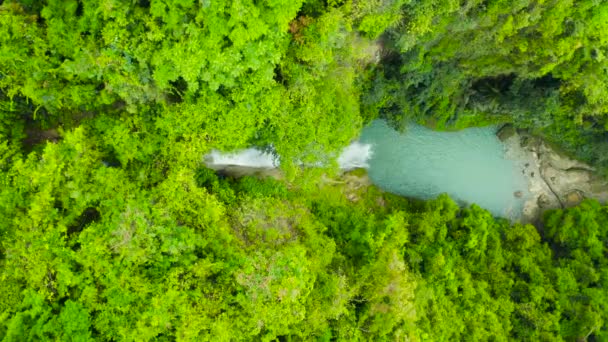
(505, 132)
(573, 198)
(544, 201)
(237, 171)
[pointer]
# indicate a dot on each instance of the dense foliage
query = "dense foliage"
(112, 229)
(539, 64)
(86, 255)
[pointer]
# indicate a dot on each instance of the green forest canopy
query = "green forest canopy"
(112, 229)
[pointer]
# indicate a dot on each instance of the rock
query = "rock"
(563, 182)
(573, 198)
(554, 179)
(544, 201)
(561, 161)
(506, 132)
(352, 197)
(237, 171)
(570, 180)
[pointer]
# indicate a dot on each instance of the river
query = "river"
(470, 165)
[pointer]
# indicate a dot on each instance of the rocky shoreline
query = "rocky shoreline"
(555, 180)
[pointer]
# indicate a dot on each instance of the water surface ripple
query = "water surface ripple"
(469, 165)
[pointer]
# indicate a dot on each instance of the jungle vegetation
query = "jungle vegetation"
(112, 229)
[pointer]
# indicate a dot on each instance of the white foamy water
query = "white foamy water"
(355, 155)
(250, 157)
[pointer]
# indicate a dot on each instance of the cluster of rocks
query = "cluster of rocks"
(555, 180)
(238, 171)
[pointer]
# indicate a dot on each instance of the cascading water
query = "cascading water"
(250, 157)
(354, 156)
(470, 165)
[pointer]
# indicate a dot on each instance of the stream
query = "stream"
(470, 165)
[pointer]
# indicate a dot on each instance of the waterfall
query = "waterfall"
(356, 155)
(249, 157)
